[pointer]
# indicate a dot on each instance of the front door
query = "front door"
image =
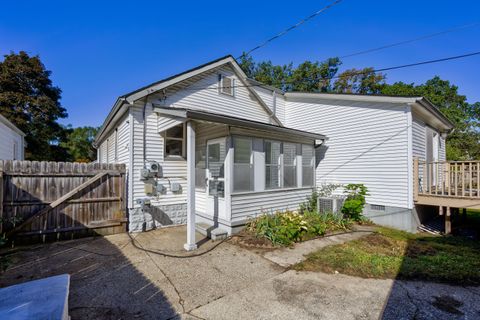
(216, 151)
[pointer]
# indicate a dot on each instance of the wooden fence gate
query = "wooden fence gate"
(41, 201)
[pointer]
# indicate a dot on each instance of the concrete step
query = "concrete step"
(210, 231)
(203, 228)
(218, 234)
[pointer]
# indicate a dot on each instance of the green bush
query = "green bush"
(355, 201)
(285, 228)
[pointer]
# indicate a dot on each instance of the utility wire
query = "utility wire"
(424, 37)
(353, 73)
(291, 28)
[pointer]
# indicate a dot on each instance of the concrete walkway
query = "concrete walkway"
(111, 279)
(287, 257)
(309, 295)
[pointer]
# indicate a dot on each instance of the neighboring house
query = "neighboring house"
(230, 148)
(12, 142)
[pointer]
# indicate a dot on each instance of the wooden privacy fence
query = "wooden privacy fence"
(42, 201)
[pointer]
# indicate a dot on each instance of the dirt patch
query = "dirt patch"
(415, 250)
(448, 304)
(249, 241)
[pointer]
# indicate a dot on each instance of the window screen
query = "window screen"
(227, 85)
(200, 166)
(308, 165)
(242, 165)
(272, 164)
(289, 165)
(174, 141)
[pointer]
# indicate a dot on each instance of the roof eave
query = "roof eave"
(234, 121)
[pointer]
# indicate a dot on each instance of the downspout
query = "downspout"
(144, 115)
(408, 111)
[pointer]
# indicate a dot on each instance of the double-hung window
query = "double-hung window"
(273, 167)
(289, 165)
(308, 165)
(243, 179)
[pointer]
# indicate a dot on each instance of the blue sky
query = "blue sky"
(98, 50)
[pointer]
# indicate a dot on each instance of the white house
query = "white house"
(372, 140)
(211, 146)
(12, 143)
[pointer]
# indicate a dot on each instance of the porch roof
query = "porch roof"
(234, 121)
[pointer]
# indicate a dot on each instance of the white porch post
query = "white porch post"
(190, 245)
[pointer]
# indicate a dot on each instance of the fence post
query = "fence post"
(415, 179)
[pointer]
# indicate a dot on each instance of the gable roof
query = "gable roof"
(142, 92)
(7, 122)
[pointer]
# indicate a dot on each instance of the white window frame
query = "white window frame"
(182, 139)
(279, 165)
(312, 166)
(295, 164)
(221, 77)
(251, 164)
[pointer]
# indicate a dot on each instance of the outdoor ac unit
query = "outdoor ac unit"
(330, 205)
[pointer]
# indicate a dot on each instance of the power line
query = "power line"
(424, 37)
(291, 28)
(353, 73)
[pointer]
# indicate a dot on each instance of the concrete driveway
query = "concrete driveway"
(111, 279)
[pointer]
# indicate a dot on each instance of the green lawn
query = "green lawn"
(391, 253)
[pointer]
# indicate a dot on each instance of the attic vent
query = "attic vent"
(226, 85)
(377, 207)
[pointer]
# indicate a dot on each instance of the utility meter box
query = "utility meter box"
(175, 187)
(154, 168)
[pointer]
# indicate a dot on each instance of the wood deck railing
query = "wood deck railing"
(448, 185)
(456, 179)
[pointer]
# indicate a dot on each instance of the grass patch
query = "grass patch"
(391, 253)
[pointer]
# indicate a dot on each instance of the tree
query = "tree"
(31, 102)
(364, 81)
(464, 142)
(315, 76)
(78, 143)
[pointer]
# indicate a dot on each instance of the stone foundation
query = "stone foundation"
(157, 216)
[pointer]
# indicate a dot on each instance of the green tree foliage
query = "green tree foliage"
(464, 142)
(30, 101)
(78, 143)
(364, 81)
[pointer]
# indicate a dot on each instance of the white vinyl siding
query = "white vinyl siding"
(201, 93)
(418, 139)
(10, 142)
(367, 144)
(114, 147)
(275, 102)
(173, 171)
(249, 205)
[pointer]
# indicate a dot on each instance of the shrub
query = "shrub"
(355, 201)
(285, 228)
